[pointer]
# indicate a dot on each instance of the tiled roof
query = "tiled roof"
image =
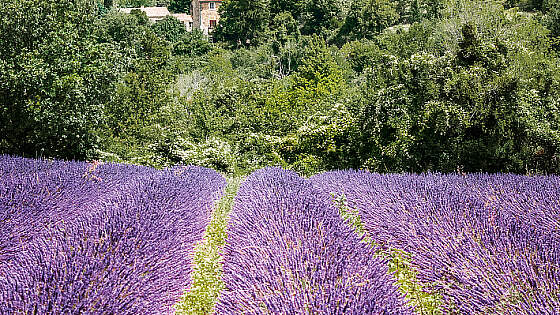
(151, 12)
(183, 17)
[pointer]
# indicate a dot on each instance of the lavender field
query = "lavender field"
(112, 239)
(97, 238)
(486, 244)
(289, 252)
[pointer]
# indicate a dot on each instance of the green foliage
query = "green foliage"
(320, 16)
(252, 23)
(420, 296)
(416, 85)
(551, 19)
(319, 68)
(324, 142)
(526, 5)
(180, 6)
(406, 40)
(77, 83)
(108, 4)
(207, 284)
(242, 22)
(366, 19)
(136, 3)
(362, 54)
(414, 98)
(192, 44)
(54, 78)
(143, 88)
(411, 11)
(249, 109)
(170, 28)
(144, 119)
(460, 111)
(101, 8)
(123, 30)
(294, 7)
(283, 29)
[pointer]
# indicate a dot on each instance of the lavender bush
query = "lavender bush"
(288, 251)
(485, 243)
(87, 238)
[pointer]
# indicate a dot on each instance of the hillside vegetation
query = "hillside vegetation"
(389, 86)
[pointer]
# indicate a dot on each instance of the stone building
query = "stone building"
(154, 14)
(186, 19)
(204, 16)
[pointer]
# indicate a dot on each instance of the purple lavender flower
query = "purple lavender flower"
(485, 243)
(110, 239)
(288, 251)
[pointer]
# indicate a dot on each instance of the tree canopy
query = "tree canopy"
(389, 86)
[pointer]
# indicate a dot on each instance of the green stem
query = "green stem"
(207, 271)
(423, 301)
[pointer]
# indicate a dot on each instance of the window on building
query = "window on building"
(212, 23)
(212, 6)
(190, 25)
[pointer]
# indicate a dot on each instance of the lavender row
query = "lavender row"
(289, 252)
(36, 194)
(86, 238)
(485, 243)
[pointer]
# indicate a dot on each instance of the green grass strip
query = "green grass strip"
(399, 265)
(207, 271)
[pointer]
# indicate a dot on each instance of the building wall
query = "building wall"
(186, 19)
(201, 18)
(203, 15)
(195, 12)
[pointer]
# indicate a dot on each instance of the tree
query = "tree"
(170, 29)
(320, 16)
(55, 79)
(146, 50)
(283, 29)
(251, 23)
(243, 22)
(552, 20)
(470, 50)
(486, 107)
(294, 7)
(192, 44)
(366, 19)
(180, 6)
(136, 3)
